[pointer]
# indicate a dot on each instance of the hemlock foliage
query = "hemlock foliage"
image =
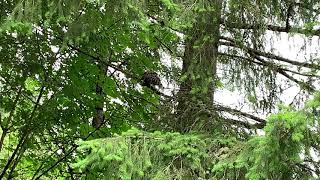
(72, 105)
(284, 152)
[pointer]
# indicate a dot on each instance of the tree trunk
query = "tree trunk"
(98, 118)
(199, 71)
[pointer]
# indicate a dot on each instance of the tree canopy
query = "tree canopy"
(74, 103)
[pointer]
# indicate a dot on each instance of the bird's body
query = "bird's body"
(151, 79)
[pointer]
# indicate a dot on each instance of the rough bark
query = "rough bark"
(98, 119)
(199, 69)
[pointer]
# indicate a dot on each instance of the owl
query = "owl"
(151, 79)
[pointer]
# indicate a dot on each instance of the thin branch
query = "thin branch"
(25, 135)
(279, 70)
(16, 161)
(268, 64)
(244, 124)
(112, 66)
(231, 42)
(303, 85)
(238, 112)
(298, 30)
(71, 150)
(6, 167)
(164, 45)
(3, 135)
(5, 129)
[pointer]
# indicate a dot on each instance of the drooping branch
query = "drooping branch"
(256, 55)
(310, 88)
(244, 124)
(298, 30)
(66, 154)
(261, 121)
(268, 64)
(108, 64)
(232, 43)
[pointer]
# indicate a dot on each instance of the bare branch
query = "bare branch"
(238, 112)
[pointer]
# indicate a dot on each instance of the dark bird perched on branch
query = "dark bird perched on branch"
(151, 80)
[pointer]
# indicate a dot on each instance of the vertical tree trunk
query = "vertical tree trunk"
(98, 118)
(199, 70)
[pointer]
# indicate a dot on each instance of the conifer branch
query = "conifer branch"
(232, 43)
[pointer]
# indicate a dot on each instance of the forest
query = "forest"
(160, 89)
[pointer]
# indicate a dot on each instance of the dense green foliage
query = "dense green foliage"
(72, 104)
(279, 154)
